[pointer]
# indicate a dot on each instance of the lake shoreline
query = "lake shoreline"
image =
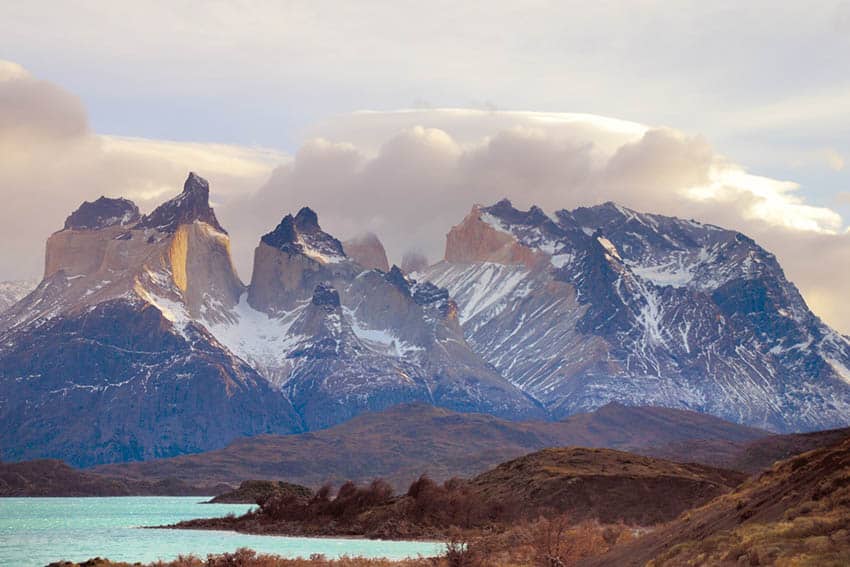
(329, 536)
(36, 531)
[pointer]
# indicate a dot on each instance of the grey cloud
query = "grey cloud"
(30, 108)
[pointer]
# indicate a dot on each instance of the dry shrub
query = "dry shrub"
(460, 554)
(350, 501)
(455, 504)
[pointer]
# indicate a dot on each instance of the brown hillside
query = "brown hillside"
(795, 513)
(406, 441)
(603, 484)
(48, 477)
(752, 456)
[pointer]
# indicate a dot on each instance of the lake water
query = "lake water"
(36, 531)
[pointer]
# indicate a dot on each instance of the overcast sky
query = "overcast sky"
(731, 112)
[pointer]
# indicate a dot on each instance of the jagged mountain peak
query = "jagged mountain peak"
(283, 234)
(645, 309)
(102, 213)
(507, 213)
(303, 235)
(396, 277)
(196, 183)
(177, 259)
(503, 234)
(192, 204)
(307, 220)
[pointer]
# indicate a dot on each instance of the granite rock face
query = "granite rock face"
(367, 250)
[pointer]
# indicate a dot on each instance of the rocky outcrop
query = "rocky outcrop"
(482, 238)
(193, 204)
(103, 213)
(366, 249)
(292, 260)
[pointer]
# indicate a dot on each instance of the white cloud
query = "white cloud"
(409, 176)
(50, 162)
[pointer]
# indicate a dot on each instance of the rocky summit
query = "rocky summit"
(141, 341)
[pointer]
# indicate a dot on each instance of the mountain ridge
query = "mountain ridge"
(643, 309)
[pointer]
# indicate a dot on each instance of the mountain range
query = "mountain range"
(141, 341)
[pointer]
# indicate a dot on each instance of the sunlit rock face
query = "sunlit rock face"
(642, 309)
(110, 341)
(366, 249)
(482, 237)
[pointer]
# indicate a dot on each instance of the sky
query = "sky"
(397, 116)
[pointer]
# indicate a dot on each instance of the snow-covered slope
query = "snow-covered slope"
(604, 303)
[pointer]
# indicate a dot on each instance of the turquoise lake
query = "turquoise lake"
(36, 531)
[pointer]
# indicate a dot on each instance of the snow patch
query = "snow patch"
(609, 247)
(318, 255)
(172, 310)
(258, 339)
(838, 367)
(380, 340)
(496, 223)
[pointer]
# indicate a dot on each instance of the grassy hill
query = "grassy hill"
(795, 513)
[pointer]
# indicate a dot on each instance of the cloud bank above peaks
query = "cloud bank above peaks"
(406, 175)
(410, 175)
(51, 161)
